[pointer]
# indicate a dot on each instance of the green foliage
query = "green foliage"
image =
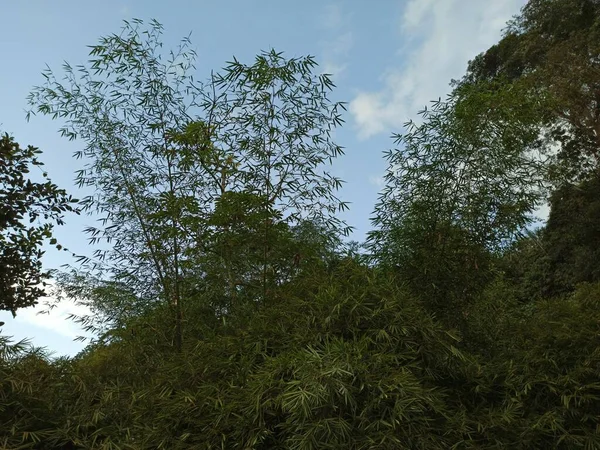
(564, 252)
(549, 51)
(546, 353)
(29, 384)
(348, 360)
(462, 329)
(464, 184)
(572, 235)
(318, 371)
(28, 212)
(240, 243)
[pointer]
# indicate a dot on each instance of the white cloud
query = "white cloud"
(332, 68)
(440, 37)
(342, 44)
(415, 12)
(377, 181)
(542, 213)
(57, 319)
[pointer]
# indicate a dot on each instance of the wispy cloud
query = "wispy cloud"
(377, 181)
(439, 38)
(332, 17)
(57, 318)
(339, 39)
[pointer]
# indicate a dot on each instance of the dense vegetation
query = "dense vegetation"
(230, 312)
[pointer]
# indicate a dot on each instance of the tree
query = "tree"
(572, 236)
(465, 184)
(276, 118)
(550, 52)
(563, 253)
(28, 212)
(163, 151)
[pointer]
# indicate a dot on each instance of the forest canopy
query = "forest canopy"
(229, 309)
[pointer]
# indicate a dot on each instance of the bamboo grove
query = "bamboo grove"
(229, 309)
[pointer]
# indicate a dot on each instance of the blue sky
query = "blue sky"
(388, 58)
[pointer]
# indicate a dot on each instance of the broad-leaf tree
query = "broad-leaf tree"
(29, 210)
(551, 52)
